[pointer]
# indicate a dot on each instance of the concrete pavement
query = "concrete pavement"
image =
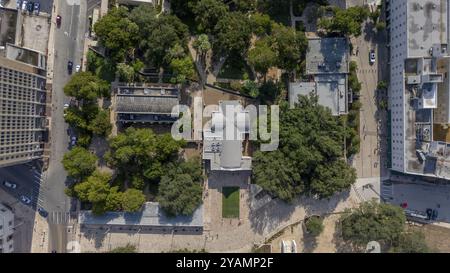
(66, 43)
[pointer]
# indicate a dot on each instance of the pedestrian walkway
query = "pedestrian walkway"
(59, 217)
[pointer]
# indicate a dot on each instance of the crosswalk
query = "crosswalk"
(59, 217)
(387, 190)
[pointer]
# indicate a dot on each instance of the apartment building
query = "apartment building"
(22, 112)
(419, 104)
(6, 229)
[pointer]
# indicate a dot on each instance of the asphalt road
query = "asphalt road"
(27, 177)
(68, 46)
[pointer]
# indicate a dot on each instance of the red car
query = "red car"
(404, 205)
(58, 20)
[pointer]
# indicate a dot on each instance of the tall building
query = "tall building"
(22, 112)
(419, 104)
(6, 229)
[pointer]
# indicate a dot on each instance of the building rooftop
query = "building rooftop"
(327, 56)
(331, 91)
(427, 26)
(147, 103)
(150, 215)
(222, 144)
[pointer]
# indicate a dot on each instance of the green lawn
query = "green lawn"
(230, 202)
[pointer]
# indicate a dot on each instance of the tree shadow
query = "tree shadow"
(269, 217)
(98, 236)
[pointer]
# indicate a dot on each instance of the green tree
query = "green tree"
(158, 34)
(79, 162)
(180, 191)
(411, 242)
(183, 69)
(140, 151)
(208, 13)
(261, 24)
(262, 56)
(345, 21)
(308, 159)
(314, 225)
(202, 45)
(129, 248)
(126, 72)
(373, 222)
(290, 46)
(95, 188)
(114, 199)
(101, 124)
(117, 33)
(132, 200)
(86, 86)
(232, 34)
(250, 88)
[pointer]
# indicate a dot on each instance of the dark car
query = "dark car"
(43, 212)
(58, 20)
(429, 213)
(434, 215)
(37, 7)
(69, 66)
(30, 7)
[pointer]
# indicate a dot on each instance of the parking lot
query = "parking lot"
(422, 196)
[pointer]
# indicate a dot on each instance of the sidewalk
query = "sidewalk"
(39, 242)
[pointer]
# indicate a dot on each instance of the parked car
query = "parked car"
(24, 5)
(77, 68)
(434, 215)
(42, 212)
(66, 105)
(69, 66)
(9, 184)
(30, 7)
(372, 56)
(37, 8)
(18, 4)
(58, 20)
(73, 141)
(429, 213)
(25, 200)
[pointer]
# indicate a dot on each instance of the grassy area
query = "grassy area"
(230, 202)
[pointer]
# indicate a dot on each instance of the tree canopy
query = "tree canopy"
(117, 33)
(79, 162)
(141, 152)
(86, 86)
(345, 21)
(262, 56)
(309, 157)
(373, 222)
(180, 190)
(232, 33)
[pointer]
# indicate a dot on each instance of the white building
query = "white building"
(223, 141)
(419, 87)
(6, 229)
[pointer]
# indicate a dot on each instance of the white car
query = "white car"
(77, 68)
(66, 105)
(25, 200)
(9, 184)
(372, 56)
(24, 5)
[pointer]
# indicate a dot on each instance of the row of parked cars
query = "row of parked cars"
(26, 200)
(28, 6)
